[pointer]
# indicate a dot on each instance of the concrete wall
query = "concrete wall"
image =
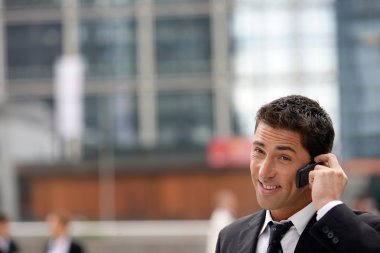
(121, 237)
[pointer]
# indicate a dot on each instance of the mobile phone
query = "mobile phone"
(302, 176)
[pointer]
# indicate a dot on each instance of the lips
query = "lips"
(270, 187)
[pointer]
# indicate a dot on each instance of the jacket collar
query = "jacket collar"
(307, 242)
(250, 234)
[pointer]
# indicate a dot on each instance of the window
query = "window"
(32, 3)
(184, 119)
(110, 123)
(106, 2)
(33, 50)
(183, 46)
(109, 48)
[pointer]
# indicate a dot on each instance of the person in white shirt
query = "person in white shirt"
(224, 213)
(290, 133)
(60, 241)
(7, 243)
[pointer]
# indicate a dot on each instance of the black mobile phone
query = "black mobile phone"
(302, 176)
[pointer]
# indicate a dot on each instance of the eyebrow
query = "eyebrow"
(258, 143)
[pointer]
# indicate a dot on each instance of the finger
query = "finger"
(320, 167)
(311, 178)
(329, 160)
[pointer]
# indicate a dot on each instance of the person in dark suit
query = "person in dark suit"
(290, 133)
(7, 243)
(60, 241)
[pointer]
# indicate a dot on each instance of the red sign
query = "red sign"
(229, 152)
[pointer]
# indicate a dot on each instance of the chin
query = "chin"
(266, 204)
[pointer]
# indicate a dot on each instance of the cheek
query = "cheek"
(254, 168)
(288, 178)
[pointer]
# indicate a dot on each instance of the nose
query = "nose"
(267, 169)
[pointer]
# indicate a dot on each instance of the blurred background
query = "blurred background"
(140, 111)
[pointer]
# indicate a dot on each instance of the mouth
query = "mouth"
(268, 188)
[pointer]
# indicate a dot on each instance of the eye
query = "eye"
(285, 158)
(256, 151)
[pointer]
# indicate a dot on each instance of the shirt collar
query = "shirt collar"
(299, 219)
(60, 240)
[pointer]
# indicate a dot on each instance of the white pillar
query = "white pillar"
(8, 177)
(220, 70)
(146, 87)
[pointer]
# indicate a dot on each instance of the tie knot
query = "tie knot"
(277, 231)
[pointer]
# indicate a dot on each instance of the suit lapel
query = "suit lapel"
(249, 235)
(307, 243)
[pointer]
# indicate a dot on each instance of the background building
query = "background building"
(359, 81)
(167, 82)
(170, 90)
(359, 53)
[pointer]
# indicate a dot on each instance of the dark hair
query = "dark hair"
(302, 115)
(62, 217)
(3, 217)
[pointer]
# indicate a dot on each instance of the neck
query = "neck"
(58, 236)
(285, 213)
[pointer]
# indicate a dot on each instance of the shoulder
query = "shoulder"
(13, 246)
(336, 230)
(371, 219)
(76, 246)
(244, 229)
(343, 211)
(243, 222)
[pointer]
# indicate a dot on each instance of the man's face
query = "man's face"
(56, 227)
(4, 229)
(276, 156)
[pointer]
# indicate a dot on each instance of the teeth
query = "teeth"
(269, 187)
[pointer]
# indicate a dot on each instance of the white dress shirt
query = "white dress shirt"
(300, 221)
(4, 244)
(220, 218)
(59, 245)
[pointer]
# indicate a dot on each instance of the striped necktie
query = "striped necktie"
(277, 231)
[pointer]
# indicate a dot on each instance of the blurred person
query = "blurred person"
(366, 204)
(224, 213)
(374, 189)
(7, 244)
(298, 215)
(60, 241)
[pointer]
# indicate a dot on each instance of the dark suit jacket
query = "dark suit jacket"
(340, 230)
(75, 247)
(13, 247)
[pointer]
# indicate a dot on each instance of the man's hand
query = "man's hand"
(327, 181)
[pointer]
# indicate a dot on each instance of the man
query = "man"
(223, 214)
(291, 132)
(7, 244)
(60, 242)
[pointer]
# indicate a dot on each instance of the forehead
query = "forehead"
(269, 136)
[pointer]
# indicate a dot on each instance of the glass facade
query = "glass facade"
(281, 48)
(109, 48)
(359, 58)
(32, 3)
(180, 1)
(184, 119)
(188, 71)
(108, 42)
(106, 2)
(32, 50)
(183, 45)
(111, 124)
